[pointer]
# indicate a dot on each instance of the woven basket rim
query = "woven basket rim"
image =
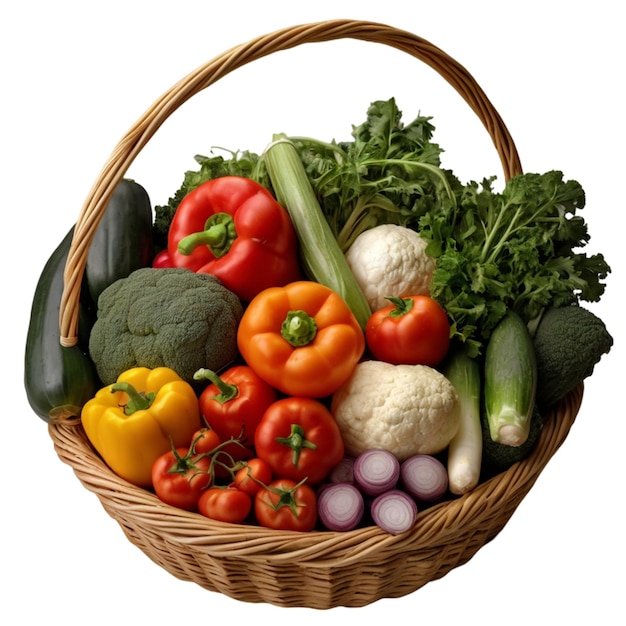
(319, 569)
(318, 548)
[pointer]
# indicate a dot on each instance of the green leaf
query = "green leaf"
(520, 249)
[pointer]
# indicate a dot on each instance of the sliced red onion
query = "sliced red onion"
(394, 511)
(343, 472)
(424, 477)
(340, 506)
(376, 471)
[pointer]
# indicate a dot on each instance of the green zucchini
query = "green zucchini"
(58, 380)
(123, 241)
(510, 381)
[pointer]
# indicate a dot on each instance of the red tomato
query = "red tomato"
(205, 440)
(233, 404)
(299, 438)
(162, 259)
(225, 504)
(179, 477)
(286, 505)
(411, 330)
(253, 476)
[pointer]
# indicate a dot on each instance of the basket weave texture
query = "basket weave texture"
(318, 570)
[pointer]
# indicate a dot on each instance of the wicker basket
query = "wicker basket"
(317, 569)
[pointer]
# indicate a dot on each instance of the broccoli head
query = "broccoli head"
(569, 342)
(168, 317)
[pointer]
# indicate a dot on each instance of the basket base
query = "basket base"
(329, 588)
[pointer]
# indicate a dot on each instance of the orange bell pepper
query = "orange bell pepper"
(302, 339)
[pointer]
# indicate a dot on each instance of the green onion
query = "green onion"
(466, 447)
(322, 258)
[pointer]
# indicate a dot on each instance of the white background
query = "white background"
(76, 75)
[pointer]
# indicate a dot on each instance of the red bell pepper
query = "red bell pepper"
(233, 228)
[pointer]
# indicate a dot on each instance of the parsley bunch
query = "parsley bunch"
(519, 249)
(388, 173)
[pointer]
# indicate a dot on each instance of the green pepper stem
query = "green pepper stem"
(136, 401)
(218, 235)
(296, 441)
(299, 328)
(227, 391)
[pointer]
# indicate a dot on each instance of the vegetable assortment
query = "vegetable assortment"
(328, 335)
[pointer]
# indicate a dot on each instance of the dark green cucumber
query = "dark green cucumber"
(123, 241)
(510, 381)
(58, 380)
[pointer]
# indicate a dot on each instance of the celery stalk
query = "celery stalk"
(322, 258)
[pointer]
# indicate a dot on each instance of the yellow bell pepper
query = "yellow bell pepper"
(138, 418)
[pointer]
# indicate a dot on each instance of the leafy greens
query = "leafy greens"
(388, 173)
(516, 249)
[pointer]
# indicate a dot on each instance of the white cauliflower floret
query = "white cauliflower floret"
(405, 409)
(390, 260)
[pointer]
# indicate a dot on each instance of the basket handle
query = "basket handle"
(138, 135)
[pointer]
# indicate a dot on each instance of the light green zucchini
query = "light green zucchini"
(510, 380)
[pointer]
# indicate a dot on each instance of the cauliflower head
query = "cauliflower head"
(390, 260)
(168, 317)
(405, 409)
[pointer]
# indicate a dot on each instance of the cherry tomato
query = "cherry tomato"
(253, 476)
(162, 259)
(179, 477)
(286, 505)
(411, 330)
(205, 440)
(225, 455)
(225, 504)
(299, 438)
